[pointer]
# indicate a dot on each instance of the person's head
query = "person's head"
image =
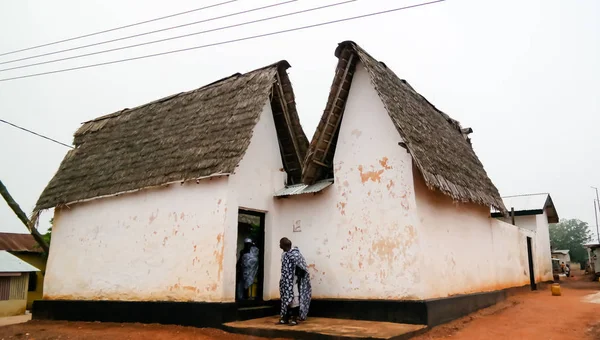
(248, 243)
(285, 244)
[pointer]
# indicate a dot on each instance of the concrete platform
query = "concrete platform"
(11, 320)
(325, 328)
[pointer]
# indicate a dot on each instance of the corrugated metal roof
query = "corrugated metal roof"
(565, 252)
(525, 202)
(12, 264)
(19, 242)
(299, 189)
(530, 204)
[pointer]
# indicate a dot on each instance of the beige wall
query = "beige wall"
(17, 300)
(12, 307)
(39, 261)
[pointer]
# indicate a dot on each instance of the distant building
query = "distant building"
(594, 257)
(26, 248)
(14, 280)
(562, 256)
(534, 212)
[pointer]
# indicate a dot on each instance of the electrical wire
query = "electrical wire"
(225, 42)
(118, 28)
(179, 36)
(146, 33)
(35, 133)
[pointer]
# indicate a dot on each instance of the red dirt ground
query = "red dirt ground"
(51, 330)
(525, 315)
(531, 315)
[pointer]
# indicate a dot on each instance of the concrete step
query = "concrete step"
(255, 312)
(325, 328)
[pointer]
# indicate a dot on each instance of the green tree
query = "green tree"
(48, 235)
(572, 235)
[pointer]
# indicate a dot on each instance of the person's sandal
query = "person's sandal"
(293, 322)
(282, 322)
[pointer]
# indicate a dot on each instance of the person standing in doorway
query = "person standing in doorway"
(247, 268)
(294, 285)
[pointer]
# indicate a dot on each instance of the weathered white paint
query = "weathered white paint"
(594, 258)
(566, 258)
(176, 243)
(358, 235)
(156, 244)
(379, 233)
(542, 257)
(258, 176)
(464, 250)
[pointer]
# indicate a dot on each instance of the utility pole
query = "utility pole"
(596, 207)
(23, 217)
(596, 214)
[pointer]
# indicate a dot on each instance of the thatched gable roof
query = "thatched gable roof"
(439, 147)
(185, 136)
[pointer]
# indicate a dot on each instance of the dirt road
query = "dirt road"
(533, 315)
(525, 315)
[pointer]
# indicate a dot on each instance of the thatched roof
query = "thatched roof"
(438, 145)
(182, 137)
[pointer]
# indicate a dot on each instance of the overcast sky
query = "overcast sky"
(523, 74)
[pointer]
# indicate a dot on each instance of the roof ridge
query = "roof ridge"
(204, 87)
(407, 107)
(521, 195)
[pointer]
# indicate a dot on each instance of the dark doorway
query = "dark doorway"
(530, 258)
(251, 227)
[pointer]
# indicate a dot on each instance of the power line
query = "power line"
(35, 133)
(142, 34)
(225, 42)
(118, 28)
(180, 36)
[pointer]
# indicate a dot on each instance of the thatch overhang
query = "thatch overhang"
(437, 143)
(186, 136)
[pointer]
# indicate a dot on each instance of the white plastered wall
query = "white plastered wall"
(359, 235)
(542, 255)
(162, 244)
(257, 177)
(176, 243)
(464, 250)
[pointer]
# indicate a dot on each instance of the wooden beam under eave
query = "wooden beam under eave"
(287, 117)
(335, 100)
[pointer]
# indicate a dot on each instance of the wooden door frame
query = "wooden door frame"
(532, 283)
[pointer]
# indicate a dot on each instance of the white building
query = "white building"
(594, 256)
(534, 212)
(562, 255)
(389, 204)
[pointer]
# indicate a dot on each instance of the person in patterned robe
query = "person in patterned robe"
(294, 285)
